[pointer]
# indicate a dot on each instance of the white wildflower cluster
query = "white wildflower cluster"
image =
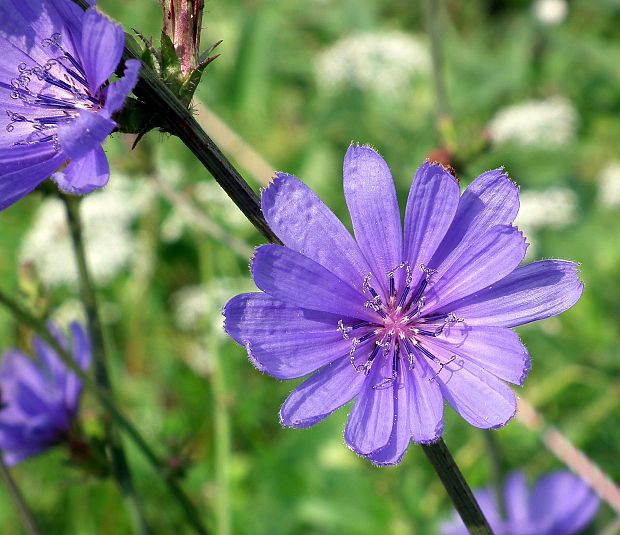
(199, 306)
(550, 12)
(107, 216)
(549, 123)
(609, 185)
(554, 207)
(383, 63)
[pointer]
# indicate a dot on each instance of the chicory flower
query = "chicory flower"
(40, 399)
(397, 321)
(559, 504)
(55, 103)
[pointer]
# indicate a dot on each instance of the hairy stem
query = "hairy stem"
(457, 488)
(21, 507)
(23, 316)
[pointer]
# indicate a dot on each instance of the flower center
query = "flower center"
(49, 95)
(401, 326)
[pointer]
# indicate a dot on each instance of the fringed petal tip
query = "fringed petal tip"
(255, 362)
(357, 149)
(500, 424)
(527, 366)
(435, 165)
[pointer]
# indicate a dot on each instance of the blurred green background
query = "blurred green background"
(298, 80)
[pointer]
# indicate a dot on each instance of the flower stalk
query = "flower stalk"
(120, 466)
(457, 488)
(23, 511)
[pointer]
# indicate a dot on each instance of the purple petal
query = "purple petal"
(371, 198)
(13, 457)
(118, 91)
(477, 262)
(369, 426)
(317, 397)
(392, 453)
(305, 224)
(17, 180)
(101, 48)
(492, 199)
(530, 293)
(299, 281)
(478, 396)
(19, 157)
(563, 502)
(496, 349)
(17, 369)
(85, 174)
(84, 134)
(516, 496)
(425, 404)
(432, 203)
(282, 340)
(25, 23)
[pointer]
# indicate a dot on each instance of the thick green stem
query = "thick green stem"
(457, 488)
(104, 398)
(180, 122)
(21, 507)
(120, 466)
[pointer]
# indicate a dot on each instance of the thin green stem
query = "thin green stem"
(445, 124)
(120, 466)
(106, 401)
(457, 488)
(23, 511)
(495, 461)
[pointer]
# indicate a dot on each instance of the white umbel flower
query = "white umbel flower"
(550, 12)
(106, 215)
(549, 123)
(609, 185)
(554, 207)
(383, 63)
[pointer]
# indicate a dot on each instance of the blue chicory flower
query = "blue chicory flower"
(55, 103)
(560, 504)
(40, 398)
(399, 323)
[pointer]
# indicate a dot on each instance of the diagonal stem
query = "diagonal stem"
(106, 401)
(120, 466)
(457, 488)
(23, 511)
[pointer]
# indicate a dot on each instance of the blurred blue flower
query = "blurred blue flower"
(559, 504)
(398, 322)
(39, 398)
(55, 104)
